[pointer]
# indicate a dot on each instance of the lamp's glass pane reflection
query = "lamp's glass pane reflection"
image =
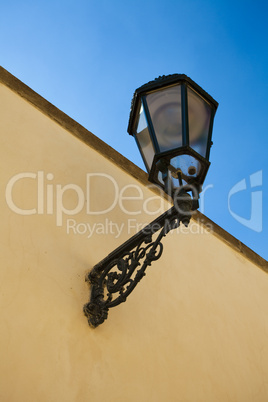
(165, 111)
(144, 140)
(199, 115)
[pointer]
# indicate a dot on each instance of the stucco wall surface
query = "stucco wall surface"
(195, 328)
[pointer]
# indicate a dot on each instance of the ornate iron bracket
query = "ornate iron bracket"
(117, 275)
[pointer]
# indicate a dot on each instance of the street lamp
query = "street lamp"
(171, 119)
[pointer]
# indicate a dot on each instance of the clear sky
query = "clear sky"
(87, 58)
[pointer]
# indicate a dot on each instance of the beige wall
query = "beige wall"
(195, 328)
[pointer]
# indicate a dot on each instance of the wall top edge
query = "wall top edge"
(104, 149)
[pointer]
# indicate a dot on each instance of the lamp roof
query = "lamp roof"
(162, 82)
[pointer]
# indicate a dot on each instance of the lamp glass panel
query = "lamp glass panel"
(199, 115)
(165, 111)
(189, 166)
(143, 137)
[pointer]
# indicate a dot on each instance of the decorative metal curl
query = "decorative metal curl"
(116, 276)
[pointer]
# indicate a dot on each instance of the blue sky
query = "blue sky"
(87, 58)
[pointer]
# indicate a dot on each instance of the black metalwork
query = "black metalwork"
(140, 98)
(116, 276)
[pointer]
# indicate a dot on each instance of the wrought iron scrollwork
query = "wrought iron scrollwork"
(112, 286)
(116, 276)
